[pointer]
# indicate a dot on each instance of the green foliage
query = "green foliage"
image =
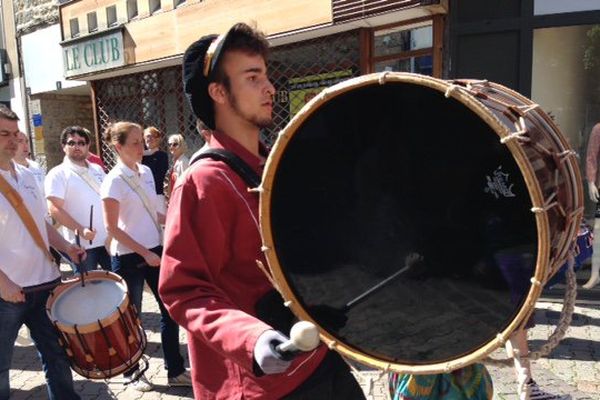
(591, 55)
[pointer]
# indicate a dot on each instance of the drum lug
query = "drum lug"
(130, 339)
(89, 358)
(111, 351)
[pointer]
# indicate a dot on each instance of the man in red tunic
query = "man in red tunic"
(209, 280)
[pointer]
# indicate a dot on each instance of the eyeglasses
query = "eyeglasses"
(173, 144)
(72, 143)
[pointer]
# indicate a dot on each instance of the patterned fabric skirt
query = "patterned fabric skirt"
(469, 383)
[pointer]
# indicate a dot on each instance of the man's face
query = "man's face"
(23, 151)
(76, 148)
(9, 135)
(250, 94)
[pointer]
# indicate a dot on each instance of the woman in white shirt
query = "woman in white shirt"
(130, 206)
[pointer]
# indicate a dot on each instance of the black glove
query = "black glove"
(330, 318)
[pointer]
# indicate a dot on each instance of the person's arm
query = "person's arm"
(10, 291)
(56, 240)
(110, 209)
(196, 248)
(55, 207)
(591, 162)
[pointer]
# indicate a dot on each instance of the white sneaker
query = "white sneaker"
(139, 383)
(183, 379)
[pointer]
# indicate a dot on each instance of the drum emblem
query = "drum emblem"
(499, 184)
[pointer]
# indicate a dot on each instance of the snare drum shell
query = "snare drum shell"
(107, 347)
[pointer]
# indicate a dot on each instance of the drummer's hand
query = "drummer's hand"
(11, 292)
(152, 259)
(76, 253)
(593, 192)
(88, 234)
(268, 360)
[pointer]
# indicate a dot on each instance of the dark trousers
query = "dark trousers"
(135, 272)
(94, 257)
(332, 380)
(55, 364)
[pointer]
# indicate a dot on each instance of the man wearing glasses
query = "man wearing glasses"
(73, 194)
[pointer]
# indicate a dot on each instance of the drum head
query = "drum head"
(81, 305)
(382, 177)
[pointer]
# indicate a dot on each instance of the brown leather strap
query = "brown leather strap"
(15, 200)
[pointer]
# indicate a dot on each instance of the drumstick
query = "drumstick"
(304, 336)
(91, 218)
(82, 272)
(373, 289)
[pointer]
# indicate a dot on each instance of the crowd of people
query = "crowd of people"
(201, 268)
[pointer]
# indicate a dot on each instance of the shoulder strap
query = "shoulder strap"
(16, 201)
(85, 176)
(238, 165)
(136, 187)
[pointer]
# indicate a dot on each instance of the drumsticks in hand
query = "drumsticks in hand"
(91, 218)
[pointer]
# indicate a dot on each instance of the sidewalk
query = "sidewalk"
(572, 368)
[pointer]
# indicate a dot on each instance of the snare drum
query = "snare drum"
(391, 199)
(98, 327)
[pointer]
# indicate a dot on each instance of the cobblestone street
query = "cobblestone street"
(572, 368)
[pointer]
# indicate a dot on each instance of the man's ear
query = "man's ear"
(217, 92)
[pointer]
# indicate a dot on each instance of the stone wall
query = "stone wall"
(59, 111)
(32, 14)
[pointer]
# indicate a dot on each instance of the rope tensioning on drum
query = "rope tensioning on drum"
(267, 272)
(520, 135)
(87, 351)
(383, 78)
(111, 350)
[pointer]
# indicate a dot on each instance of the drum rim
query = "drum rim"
(527, 171)
(92, 326)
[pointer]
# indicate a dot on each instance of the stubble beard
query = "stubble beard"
(78, 157)
(260, 123)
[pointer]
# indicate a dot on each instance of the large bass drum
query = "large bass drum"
(416, 220)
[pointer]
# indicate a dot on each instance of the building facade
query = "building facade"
(130, 51)
(548, 50)
(50, 102)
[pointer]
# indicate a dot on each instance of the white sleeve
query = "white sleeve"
(55, 184)
(112, 188)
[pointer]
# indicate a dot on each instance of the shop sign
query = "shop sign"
(96, 54)
(302, 89)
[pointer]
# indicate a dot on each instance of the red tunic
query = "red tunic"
(210, 283)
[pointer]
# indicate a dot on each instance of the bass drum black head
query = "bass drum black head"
(385, 176)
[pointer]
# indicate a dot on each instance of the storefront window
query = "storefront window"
(400, 39)
(566, 81)
(566, 78)
(404, 49)
(420, 65)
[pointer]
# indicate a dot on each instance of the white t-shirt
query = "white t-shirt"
(20, 257)
(133, 217)
(38, 173)
(182, 163)
(64, 182)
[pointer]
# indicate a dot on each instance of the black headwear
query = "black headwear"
(199, 62)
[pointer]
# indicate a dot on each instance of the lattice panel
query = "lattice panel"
(298, 71)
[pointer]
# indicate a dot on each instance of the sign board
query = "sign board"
(302, 89)
(98, 53)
